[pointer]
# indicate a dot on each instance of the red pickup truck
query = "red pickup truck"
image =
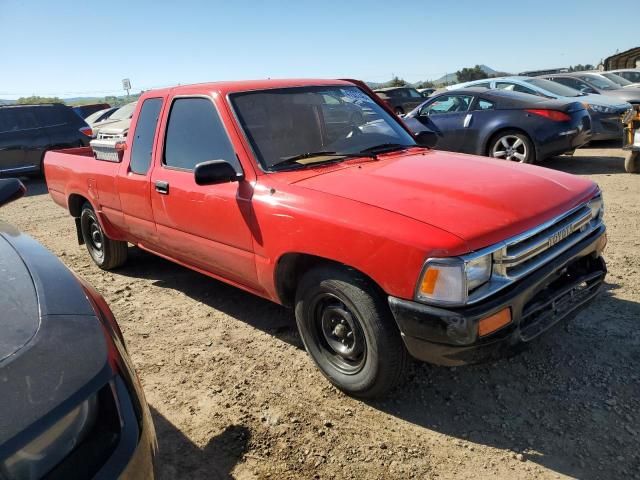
(313, 194)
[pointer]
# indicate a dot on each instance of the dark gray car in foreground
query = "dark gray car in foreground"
(71, 405)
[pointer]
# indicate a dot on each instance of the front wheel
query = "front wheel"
(348, 330)
(632, 162)
(106, 253)
(513, 146)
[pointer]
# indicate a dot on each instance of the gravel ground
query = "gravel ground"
(234, 395)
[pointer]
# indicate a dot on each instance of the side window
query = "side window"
(485, 105)
(570, 82)
(142, 148)
(513, 87)
(448, 104)
(8, 120)
(54, 115)
(26, 118)
(482, 85)
(195, 134)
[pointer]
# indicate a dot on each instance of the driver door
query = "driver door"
(448, 116)
(205, 226)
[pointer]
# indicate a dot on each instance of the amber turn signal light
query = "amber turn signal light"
(494, 322)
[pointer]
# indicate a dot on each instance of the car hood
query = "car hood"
(604, 100)
(479, 199)
(52, 345)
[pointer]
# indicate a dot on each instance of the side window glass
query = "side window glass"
(195, 134)
(505, 86)
(485, 105)
(26, 119)
(448, 104)
(8, 120)
(142, 147)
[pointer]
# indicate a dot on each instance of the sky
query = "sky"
(67, 49)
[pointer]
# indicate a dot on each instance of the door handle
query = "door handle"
(162, 187)
(467, 120)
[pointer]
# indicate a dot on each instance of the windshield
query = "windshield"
(125, 112)
(286, 123)
(617, 79)
(599, 82)
(553, 87)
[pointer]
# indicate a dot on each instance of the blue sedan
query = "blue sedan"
(502, 124)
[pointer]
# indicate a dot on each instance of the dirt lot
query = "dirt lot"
(233, 394)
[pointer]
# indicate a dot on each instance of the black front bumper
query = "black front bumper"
(552, 293)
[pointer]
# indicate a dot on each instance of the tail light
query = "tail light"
(554, 115)
(87, 131)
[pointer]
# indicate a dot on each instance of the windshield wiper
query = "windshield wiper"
(335, 157)
(385, 147)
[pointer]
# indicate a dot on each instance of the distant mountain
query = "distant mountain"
(451, 78)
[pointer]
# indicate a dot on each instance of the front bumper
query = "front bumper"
(552, 293)
(606, 126)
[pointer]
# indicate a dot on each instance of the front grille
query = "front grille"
(529, 251)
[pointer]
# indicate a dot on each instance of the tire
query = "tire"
(347, 329)
(632, 162)
(512, 145)
(105, 253)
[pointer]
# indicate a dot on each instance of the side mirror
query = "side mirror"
(214, 172)
(11, 189)
(426, 138)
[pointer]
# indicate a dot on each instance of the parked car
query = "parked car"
(85, 110)
(503, 124)
(381, 245)
(71, 403)
(426, 92)
(400, 99)
(618, 80)
(593, 83)
(28, 131)
(118, 121)
(100, 116)
(631, 74)
(605, 111)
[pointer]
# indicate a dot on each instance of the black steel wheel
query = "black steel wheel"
(349, 332)
(105, 253)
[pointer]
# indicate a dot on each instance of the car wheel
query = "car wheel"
(106, 253)
(399, 111)
(513, 146)
(632, 162)
(347, 328)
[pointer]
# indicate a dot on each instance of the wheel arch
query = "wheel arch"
(489, 140)
(292, 265)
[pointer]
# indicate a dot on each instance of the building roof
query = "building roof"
(627, 59)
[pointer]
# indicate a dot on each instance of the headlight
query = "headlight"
(43, 453)
(596, 204)
(449, 281)
(600, 108)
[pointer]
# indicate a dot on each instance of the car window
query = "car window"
(617, 79)
(15, 119)
(554, 88)
(599, 82)
(54, 115)
(631, 76)
(142, 147)
(125, 112)
(413, 93)
(514, 87)
(485, 105)
(570, 82)
(482, 85)
(331, 100)
(195, 134)
(448, 104)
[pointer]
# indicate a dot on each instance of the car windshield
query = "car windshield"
(125, 112)
(600, 83)
(307, 122)
(617, 79)
(553, 87)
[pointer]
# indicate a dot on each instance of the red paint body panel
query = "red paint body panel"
(383, 217)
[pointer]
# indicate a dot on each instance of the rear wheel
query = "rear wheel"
(106, 253)
(513, 146)
(632, 162)
(348, 330)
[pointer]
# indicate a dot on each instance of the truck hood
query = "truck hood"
(479, 199)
